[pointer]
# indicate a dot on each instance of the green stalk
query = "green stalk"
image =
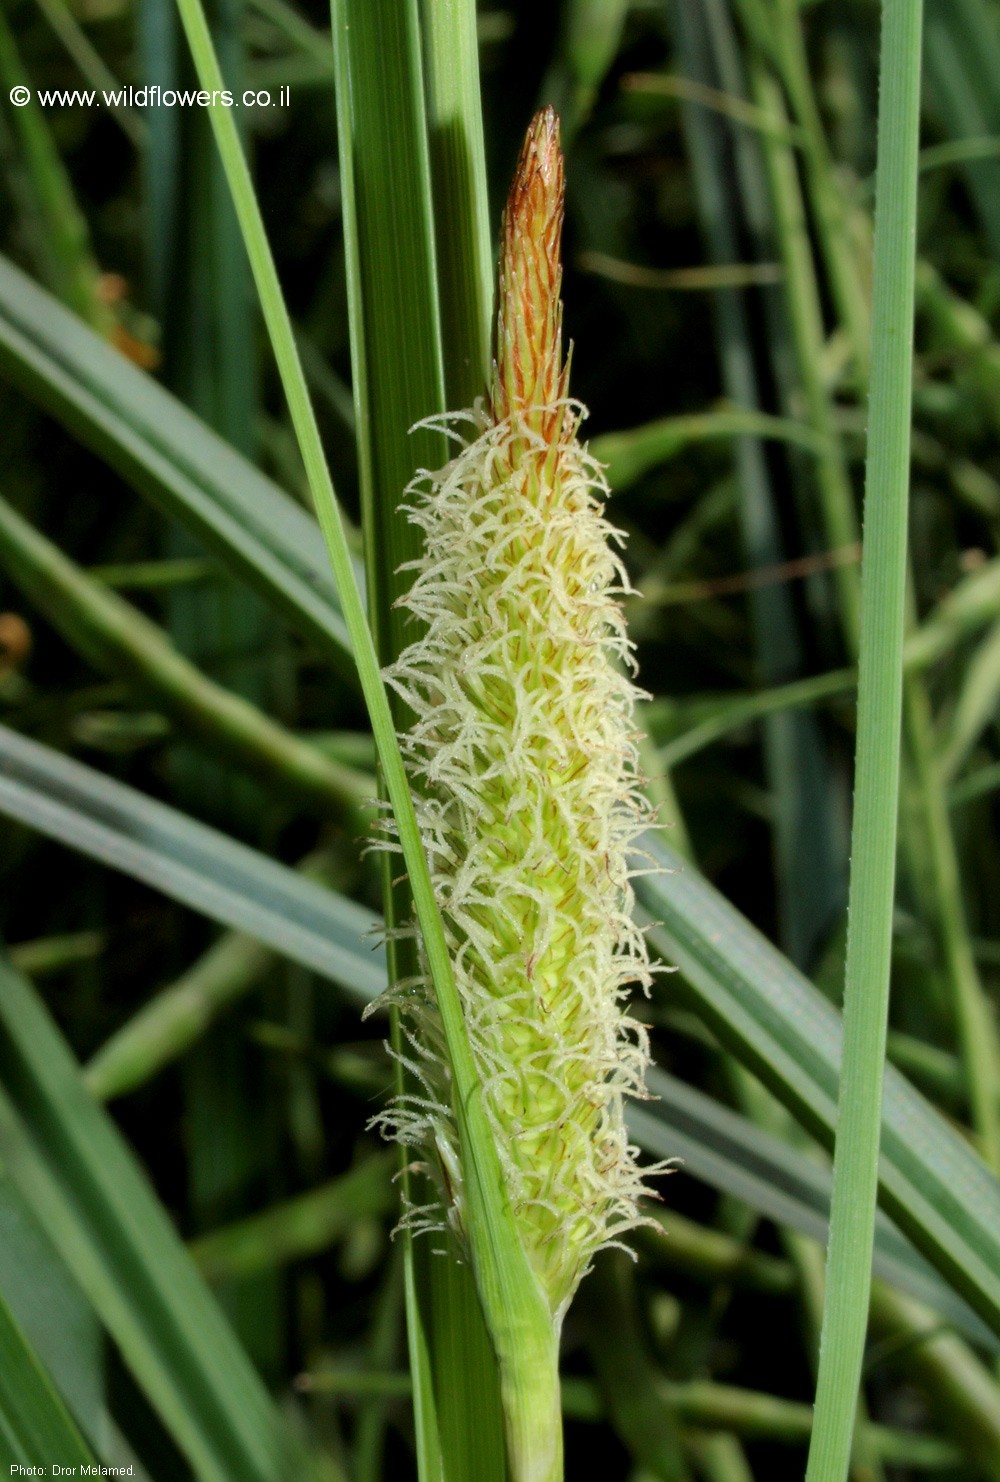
(54, 954)
(880, 688)
(177, 1016)
(515, 1309)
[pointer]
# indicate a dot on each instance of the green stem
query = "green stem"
(398, 380)
(37, 959)
(880, 685)
(750, 1413)
(532, 1404)
(177, 1016)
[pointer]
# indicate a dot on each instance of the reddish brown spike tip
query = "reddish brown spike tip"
(528, 369)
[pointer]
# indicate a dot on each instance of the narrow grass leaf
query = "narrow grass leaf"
(782, 1028)
(35, 1426)
(876, 794)
(503, 1276)
(171, 457)
(84, 1187)
(53, 1314)
(188, 861)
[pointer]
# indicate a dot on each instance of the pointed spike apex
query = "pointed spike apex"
(528, 370)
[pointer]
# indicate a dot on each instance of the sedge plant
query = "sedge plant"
(523, 1287)
(523, 756)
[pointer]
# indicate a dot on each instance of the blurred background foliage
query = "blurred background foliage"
(720, 157)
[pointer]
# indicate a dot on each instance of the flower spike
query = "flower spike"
(523, 757)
